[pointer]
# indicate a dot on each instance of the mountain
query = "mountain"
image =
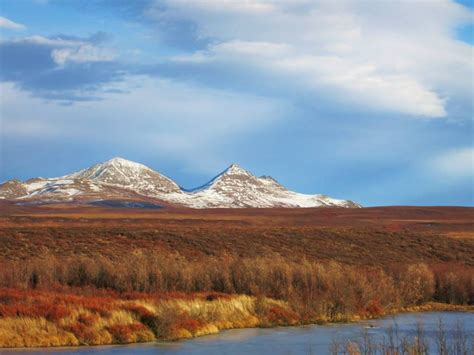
(121, 179)
(236, 187)
(13, 189)
(128, 175)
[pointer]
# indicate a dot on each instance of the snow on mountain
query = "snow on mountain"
(118, 178)
(129, 175)
(115, 178)
(13, 189)
(236, 187)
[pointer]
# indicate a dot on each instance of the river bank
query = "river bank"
(52, 319)
(371, 336)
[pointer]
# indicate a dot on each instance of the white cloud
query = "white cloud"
(9, 24)
(458, 163)
(44, 41)
(264, 49)
(171, 120)
(82, 53)
(392, 56)
(71, 50)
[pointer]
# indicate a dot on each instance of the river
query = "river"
(313, 339)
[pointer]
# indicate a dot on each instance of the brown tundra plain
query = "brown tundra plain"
(79, 275)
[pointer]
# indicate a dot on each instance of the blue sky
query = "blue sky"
(366, 100)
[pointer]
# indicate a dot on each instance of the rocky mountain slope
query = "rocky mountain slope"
(128, 175)
(118, 179)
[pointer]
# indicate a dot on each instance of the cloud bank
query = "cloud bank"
(391, 57)
(455, 164)
(64, 68)
(9, 24)
(370, 101)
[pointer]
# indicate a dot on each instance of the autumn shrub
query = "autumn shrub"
(316, 290)
(454, 284)
(162, 324)
(278, 315)
(88, 335)
(30, 317)
(130, 333)
(184, 322)
(139, 311)
(417, 284)
(373, 308)
(50, 312)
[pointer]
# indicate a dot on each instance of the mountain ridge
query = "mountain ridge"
(118, 178)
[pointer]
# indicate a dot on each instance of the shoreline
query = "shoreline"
(424, 308)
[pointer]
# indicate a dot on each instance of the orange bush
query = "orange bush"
(51, 312)
(84, 333)
(192, 325)
(125, 333)
(374, 308)
(139, 311)
(88, 319)
(277, 315)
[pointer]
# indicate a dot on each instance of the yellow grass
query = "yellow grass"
(439, 307)
(33, 332)
(167, 319)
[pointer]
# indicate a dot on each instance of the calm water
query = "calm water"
(288, 340)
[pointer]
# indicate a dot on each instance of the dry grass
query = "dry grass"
(146, 317)
(129, 321)
(189, 273)
(188, 299)
(455, 341)
(31, 332)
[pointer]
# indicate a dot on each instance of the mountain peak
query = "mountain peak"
(121, 178)
(127, 174)
(115, 166)
(118, 159)
(234, 169)
(123, 163)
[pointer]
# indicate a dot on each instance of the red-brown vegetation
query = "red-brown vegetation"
(350, 236)
(93, 276)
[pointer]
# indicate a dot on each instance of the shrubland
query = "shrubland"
(81, 300)
(74, 275)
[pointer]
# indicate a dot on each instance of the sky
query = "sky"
(364, 100)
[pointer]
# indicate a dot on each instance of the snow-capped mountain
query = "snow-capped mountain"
(236, 187)
(128, 175)
(118, 179)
